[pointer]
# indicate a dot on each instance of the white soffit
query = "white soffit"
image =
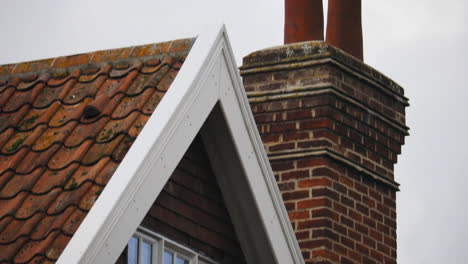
(208, 77)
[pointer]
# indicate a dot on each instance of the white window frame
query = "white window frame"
(160, 243)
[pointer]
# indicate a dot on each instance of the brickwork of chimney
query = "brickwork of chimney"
(332, 128)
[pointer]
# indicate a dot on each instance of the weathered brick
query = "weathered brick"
(349, 213)
(315, 124)
(297, 174)
(355, 215)
(346, 201)
(314, 144)
(376, 255)
(295, 195)
(316, 243)
(299, 215)
(383, 248)
(282, 127)
(347, 221)
(324, 171)
(287, 186)
(369, 242)
(282, 165)
(299, 114)
(347, 242)
(363, 209)
(369, 222)
(354, 235)
(340, 188)
(325, 212)
(354, 195)
(281, 147)
(362, 229)
(377, 236)
(315, 182)
(312, 203)
(338, 207)
(326, 254)
(362, 248)
(296, 136)
(326, 192)
(270, 138)
(340, 229)
(314, 223)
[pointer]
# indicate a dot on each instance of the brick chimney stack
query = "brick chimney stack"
(332, 127)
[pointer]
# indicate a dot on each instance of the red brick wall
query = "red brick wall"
(190, 210)
(332, 128)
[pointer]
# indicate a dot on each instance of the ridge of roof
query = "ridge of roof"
(59, 66)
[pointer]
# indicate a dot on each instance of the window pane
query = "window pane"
(146, 253)
(180, 260)
(168, 257)
(132, 257)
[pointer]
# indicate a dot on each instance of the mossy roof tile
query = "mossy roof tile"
(56, 157)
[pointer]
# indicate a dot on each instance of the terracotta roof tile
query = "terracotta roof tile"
(117, 126)
(106, 173)
(6, 94)
(9, 250)
(4, 178)
(65, 156)
(51, 94)
(66, 113)
(10, 206)
(18, 228)
(80, 132)
(128, 104)
(10, 162)
(20, 98)
(62, 77)
(85, 204)
(22, 140)
(12, 119)
(20, 183)
(51, 179)
(32, 249)
(33, 160)
(49, 223)
(36, 117)
(68, 197)
(37, 260)
(33, 204)
(53, 135)
(65, 125)
(54, 251)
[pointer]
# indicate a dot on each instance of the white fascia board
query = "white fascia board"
(251, 151)
(162, 143)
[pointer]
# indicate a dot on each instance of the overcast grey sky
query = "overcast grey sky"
(421, 44)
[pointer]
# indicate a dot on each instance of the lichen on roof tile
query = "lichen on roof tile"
(55, 158)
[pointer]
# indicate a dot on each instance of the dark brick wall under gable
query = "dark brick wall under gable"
(191, 211)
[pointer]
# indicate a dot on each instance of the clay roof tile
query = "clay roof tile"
(65, 125)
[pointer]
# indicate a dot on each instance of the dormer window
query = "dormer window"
(147, 247)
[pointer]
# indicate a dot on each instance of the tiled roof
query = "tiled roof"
(65, 125)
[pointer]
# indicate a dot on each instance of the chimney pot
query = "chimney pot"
(303, 20)
(344, 26)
